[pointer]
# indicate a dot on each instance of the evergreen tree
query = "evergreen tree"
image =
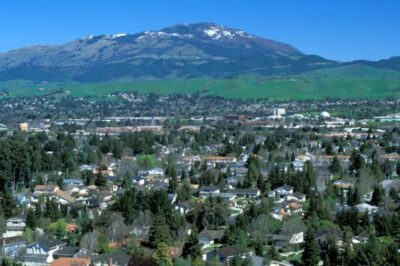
(356, 196)
(101, 180)
(160, 231)
(161, 256)
(8, 203)
(31, 220)
(192, 248)
(377, 196)
(335, 166)
(173, 184)
(310, 256)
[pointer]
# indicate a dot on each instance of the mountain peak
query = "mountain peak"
(182, 50)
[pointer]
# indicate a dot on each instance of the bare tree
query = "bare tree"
(141, 225)
(90, 242)
(116, 224)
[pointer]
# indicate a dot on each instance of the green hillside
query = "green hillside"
(343, 82)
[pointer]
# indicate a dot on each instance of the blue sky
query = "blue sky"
(336, 29)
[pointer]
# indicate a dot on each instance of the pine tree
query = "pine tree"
(356, 196)
(160, 231)
(377, 196)
(192, 248)
(162, 256)
(335, 166)
(183, 174)
(31, 220)
(173, 185)
(100, 181)
(8, 203)
(310, 256)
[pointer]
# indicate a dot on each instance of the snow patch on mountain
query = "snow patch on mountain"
(153, 34)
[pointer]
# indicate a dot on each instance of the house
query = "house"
(72, 182)
(226, 254)
(46, 190)
(298, 165)
(116, 258)
(343, 184)
(297, 196)
(233, 181)
(184, 207)
(208, 191)
(156, 172)
(219, 159)
(15, 226)
(64, 197)
(257, 261)
(208, 237)
(281, 192)
(70, 262)
(278, 263)
(12, 246)
(247, 193)
(66, 252)
(41, 252)
(285, 240)
(138, 180)
(365, 207)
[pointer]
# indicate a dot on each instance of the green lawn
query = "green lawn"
(273, 88)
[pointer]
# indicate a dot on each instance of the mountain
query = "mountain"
(180, 51)
(392, 63)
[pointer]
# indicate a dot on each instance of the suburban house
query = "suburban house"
(365, 207)
(247, 193)
(342, 184)
(281, 192)
(184, 207)
(281, 241)
(116, 258)
(15, 226)
(208, 237)
(72, 182)
(41, 252)
(226, 254)
(46, 190)
(156, 172)
(208, 191)
(71, 262)
(12, 246)
(64, 197)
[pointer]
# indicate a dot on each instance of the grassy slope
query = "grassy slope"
(343, 82)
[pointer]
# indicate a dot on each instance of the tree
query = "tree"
(377, 196)
(331, 251)
(310, 256)
(393, 194)
(90, 242)
(398, 169)
(100, 181)
(238, 261)
(162, 256)
(335, 166)
(173, 184)
(8, 204)
(357, 161)
(31, 219)
(3, 224)
(185, 191)
(192, 248)
(159, 232)
(116, 224)
(293, 225)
